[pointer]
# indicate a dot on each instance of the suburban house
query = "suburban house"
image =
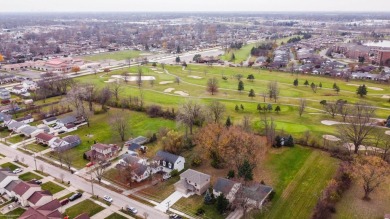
(23, 191)
(168, 162)
(66, 121)
(139, 167)
(226, 187)
(192, 182)
(44, 138)
(65, 143)
(14, 126)
(6, 177)
(5, 117)
(69, 128)
(27, 119)
(49, 121)
(39, 198)
(10, 187)
(5, 94)
(256, 194)
(30, 131)
(102, 151)
(48, 210)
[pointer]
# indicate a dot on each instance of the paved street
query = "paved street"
(80, 183)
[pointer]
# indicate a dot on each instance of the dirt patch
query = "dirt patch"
(182, 93)
(169, 90)
(166, 82)
(331, 138)
(372, 88)
(387, 132)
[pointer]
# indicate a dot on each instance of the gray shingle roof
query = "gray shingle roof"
(223, 185)
(163, 155)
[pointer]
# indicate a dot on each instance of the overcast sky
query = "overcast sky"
(192, 5)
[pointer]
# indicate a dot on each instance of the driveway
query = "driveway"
(168, 202)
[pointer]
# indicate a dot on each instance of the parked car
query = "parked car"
(64, 202)
(166, 176)
(107, 198)
(17, 170)
(89, 164)
(35, 181)
(132, 210)
(175, 216)
(75, 196)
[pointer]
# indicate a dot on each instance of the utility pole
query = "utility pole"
(168, 205)
(35, 160)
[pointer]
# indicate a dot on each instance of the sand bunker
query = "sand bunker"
(331, 138)
(386, 96)
(387, 132)
(194, 76)
(131, 78)
(160, 72)
(111, 80)
(182, 93)
(166, 82)
(153, 69)
(330, 122)
(169, 90)
(356, 85)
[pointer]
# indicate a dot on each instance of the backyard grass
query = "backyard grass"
(9, 165)
(15, 213)
(190, 205)
(351, 205)
(86, 206)
(117, 55)
(300, 174)
(52, 187)
(116, 216)
(29, 176)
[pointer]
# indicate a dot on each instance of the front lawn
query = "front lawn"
(66, 196)
(52, 187)
(10, 165)
(36, 147)
(116, 216)
(192, 204)
(29, 176)
(16, 139)
(86, 206)
(15, 213)
(160, 191)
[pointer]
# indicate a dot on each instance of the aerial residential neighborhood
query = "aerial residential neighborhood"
(195, 110)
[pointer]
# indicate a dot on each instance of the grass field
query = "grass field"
(36, 147)
(29, 176)
(16, 139)
(86, 206)
(52, 187)
(15, 213)
(10, 165)
(118, 55)
(240, 54)
(116, 216)
(101, 131)
(299, 175)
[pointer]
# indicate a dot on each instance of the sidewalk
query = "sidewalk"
(168, 202)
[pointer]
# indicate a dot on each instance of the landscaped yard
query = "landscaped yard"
(116, 216)
(16, 139)
(29, 176)
(300, 174)
(52, 187)
(9, 165)
(160, 191)
(86, 206)
(192, 204)
(118, 55)
(36, 147)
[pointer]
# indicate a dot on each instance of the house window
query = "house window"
(164, 163)
(170, 165)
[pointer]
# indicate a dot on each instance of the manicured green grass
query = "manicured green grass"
(66, 196)
(29, 176)
(86, 206)
(52, 187)
(16, 139)
(191, 204)
(116, 216)
(240, 54)
(36, 147)
(100, 129)
(118, 55)
(15, 213)
(301, 174)
(9, 165)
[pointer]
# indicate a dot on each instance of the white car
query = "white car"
(17, 170)
(132, 210)
(107, 198)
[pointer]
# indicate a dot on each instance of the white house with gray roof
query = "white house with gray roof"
(193, 182)
(168, 162)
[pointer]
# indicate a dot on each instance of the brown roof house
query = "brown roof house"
(23, 191)
(6, 177)
(40, 198)
(48, 210)
(102, 151)
(192, 182)
(44, 138)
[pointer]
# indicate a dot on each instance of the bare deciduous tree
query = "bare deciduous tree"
(189, 113)
(41, 167)
(116, 89)
(104, 97)
(273, 90)
(212, 85)
(343, 110)
(216, 110)
(302, 106)
(89, 94)
(120, 124)
(62, 176)
(68, 158)
(99, 170)
(331, 108)
(359, 125)
(269, 128)
(139, 77)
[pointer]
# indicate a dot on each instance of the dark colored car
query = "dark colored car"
(64, 202)
(75, 196)
(36, 181)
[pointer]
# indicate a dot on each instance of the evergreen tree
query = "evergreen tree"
(320, 85)
(240, 86)
(251, 77)
(231, 174)
(278, 142)
(337, 89)
(334, 85)
(251, 94)
(228, 122)
(362, 90)
(233, 58)
(269, 107)
(242, 107)
(289, 142)
(236, 108)
(177, 59)
(306, 83)
(259, 107)
(207, 198)
(277, 109)
(296, 82)
(178, 49)
(245, 171)
(222, 203)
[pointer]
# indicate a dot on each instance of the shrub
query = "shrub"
(200, 211)
(154, 111)
(231, 174)
(174, 173)
(196, 161)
